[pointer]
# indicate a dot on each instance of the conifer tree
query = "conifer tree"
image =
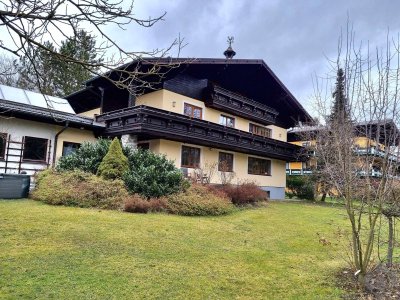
(115, 163)
(340, 111)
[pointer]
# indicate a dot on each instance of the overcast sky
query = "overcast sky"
(293, 37)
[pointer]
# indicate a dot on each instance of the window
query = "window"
(69, 148)
(35, 149)
(225, 162)
(3, 140)
(258, 166)
(144, 146)
(227, 121)
(190, 157)
(193, 111)
(259, 130)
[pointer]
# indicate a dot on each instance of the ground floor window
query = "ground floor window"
(144, 146)
(35, 149)
(225, 162)
(259, 166)
(69, 148)
(3, 140)
(190, 157)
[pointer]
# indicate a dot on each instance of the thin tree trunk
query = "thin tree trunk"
(390, 242)
(323, 197)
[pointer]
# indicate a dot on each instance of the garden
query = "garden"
(107, 176)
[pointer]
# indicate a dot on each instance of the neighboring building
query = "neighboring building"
(366, 143)
(203, 112)
(36, 129)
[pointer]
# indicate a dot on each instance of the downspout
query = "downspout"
(56, 142)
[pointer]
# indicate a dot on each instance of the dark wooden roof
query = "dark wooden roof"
(251, 78)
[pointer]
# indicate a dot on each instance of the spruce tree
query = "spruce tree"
(115, 163)
(340, 111)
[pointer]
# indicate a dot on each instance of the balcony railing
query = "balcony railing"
(299, 171)
(372, 151)
(150, 122)
(238, 105)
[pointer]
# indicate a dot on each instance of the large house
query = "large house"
(230, 112)
(37, 129)
(374, 142)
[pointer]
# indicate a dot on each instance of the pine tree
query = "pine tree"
(46, 66)
(58, 76)
(340, 111)
(115, 163)
(71, 76)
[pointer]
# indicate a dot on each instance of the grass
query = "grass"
(72, 253)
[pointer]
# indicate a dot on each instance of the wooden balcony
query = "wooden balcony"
(150, 123)
(227, 101)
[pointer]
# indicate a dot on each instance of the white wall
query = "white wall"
(16, 130)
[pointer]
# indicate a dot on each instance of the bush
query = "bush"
(87, 158)
(77, 188)
(198, 200)
(245, 193)
(137, 204)
(152, 175)
(300, 186)
(115, 163)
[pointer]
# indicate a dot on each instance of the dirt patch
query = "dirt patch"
(381, 283)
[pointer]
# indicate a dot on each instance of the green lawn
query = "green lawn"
(74, 253)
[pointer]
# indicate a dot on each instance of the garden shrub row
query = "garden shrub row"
(105, 175)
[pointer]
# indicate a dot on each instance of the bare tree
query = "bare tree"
(356, 144)
(8, 71)
(27, 26)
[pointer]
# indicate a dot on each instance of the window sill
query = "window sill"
(29, 161)
(260, 174)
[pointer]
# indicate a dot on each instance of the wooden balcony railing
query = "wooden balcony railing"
(156, 123)
(227, 101)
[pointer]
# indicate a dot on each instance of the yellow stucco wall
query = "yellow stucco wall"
(74, 136)
(90, 113)
(174, 102)
(209, 156)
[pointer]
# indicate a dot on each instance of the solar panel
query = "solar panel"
(36, 99)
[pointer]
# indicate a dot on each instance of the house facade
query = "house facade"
(374, 142)
(36, 129)
(230, 115)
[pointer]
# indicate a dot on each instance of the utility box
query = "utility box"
(14, 186)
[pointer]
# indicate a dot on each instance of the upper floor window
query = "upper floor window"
(227, 121)
(35, 149)
(259, 130)
(69, 148)
(3, 140)
(190, 157)
(225, 162)
(259, 166)
(193, 111)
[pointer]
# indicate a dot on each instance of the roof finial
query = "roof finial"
(229, 53)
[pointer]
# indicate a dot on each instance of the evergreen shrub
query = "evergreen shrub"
(300, 186)
(115, 163)
(152, 175)
(77, 188)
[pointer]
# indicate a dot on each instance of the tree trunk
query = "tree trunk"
(389, 262)
(323, 197)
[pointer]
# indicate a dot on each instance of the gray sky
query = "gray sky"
(293, 37)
